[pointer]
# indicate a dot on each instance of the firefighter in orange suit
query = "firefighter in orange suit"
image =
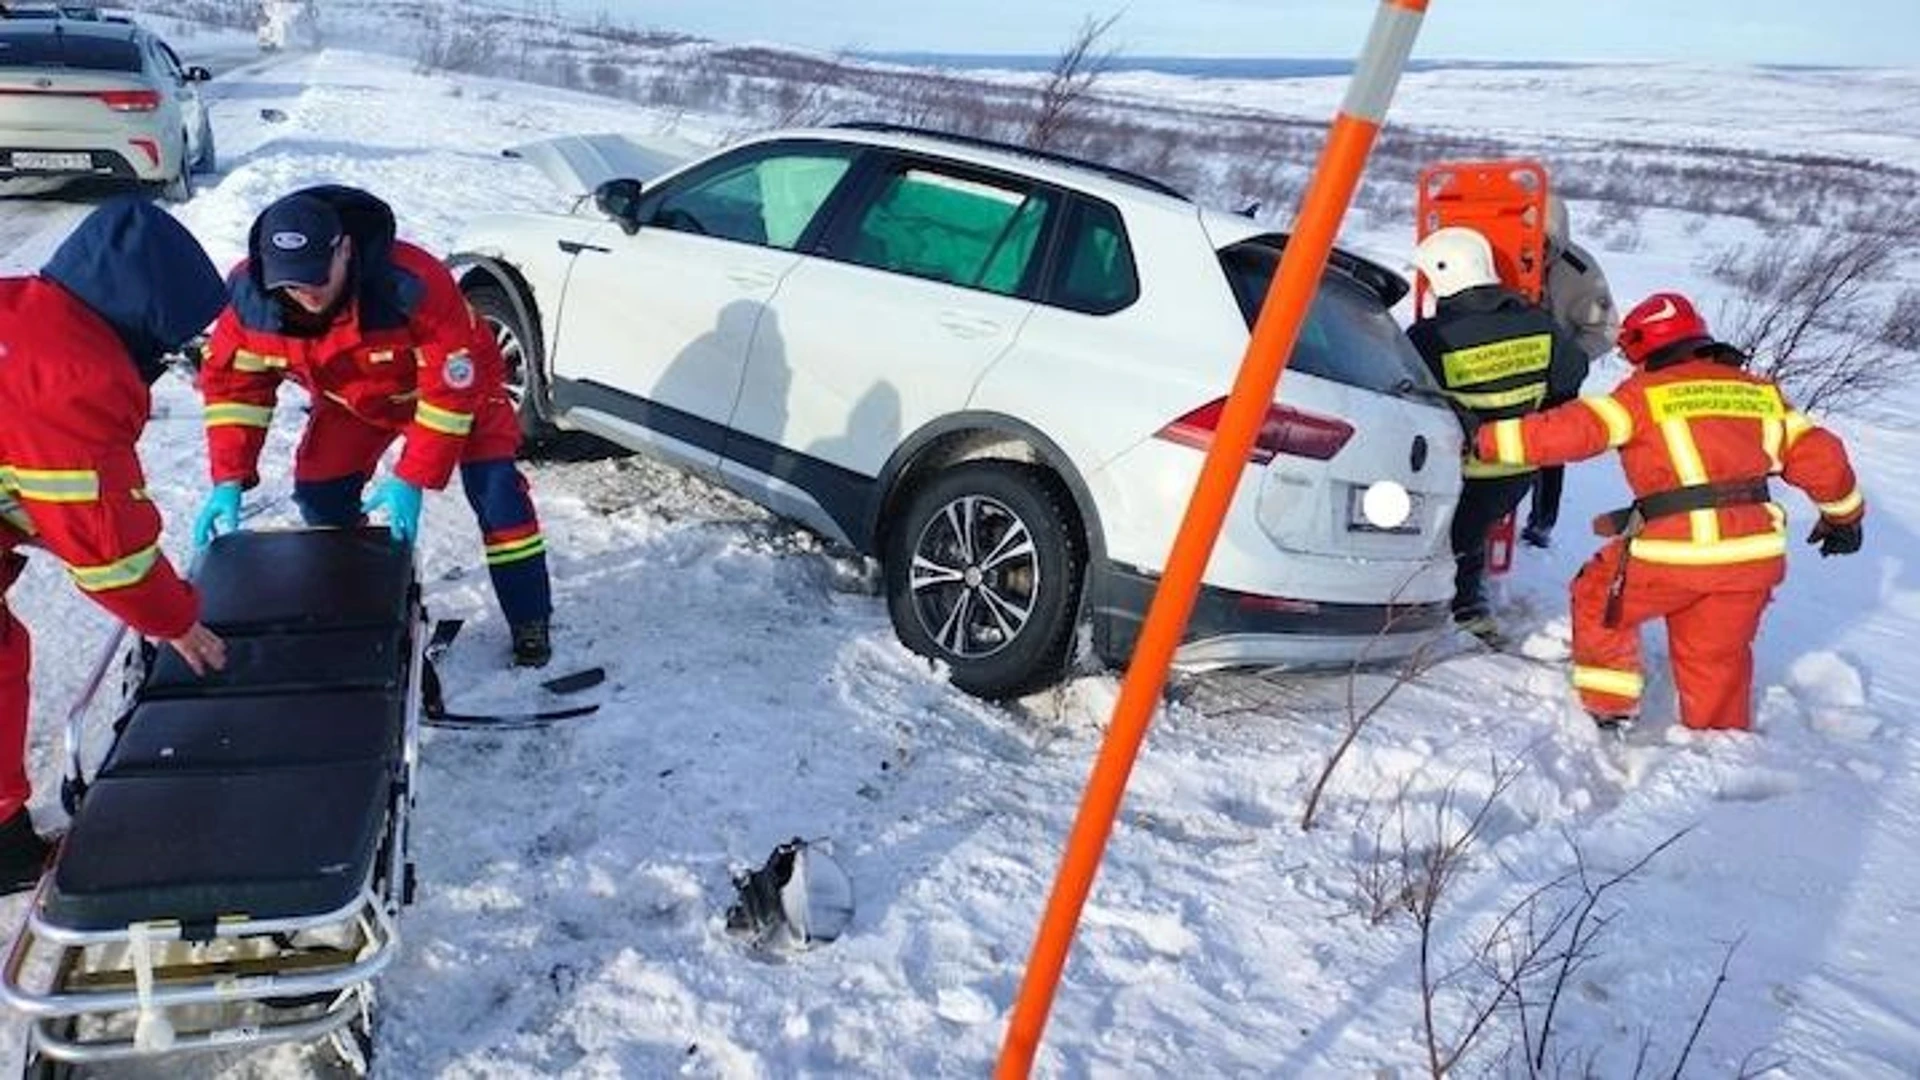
(1702, 545)
(80, 342)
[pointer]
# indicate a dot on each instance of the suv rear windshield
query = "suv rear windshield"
(83, 51)
(1350, 336)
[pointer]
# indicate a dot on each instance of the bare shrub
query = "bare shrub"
(1071, 80)
(1811, 316)
(450, 42)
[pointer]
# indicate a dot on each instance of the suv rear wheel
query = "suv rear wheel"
(983, 572)
(526, 383)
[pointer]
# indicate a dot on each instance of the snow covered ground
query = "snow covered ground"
(573, 880)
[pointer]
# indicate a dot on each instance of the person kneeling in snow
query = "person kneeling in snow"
(80, 343)
(377, 332)
(1702, 545)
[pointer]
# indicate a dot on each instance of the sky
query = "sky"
(1875, 33)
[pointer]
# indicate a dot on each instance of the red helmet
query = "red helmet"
(1661, 320)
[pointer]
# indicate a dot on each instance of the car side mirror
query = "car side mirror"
(198, 74)
(620, 200)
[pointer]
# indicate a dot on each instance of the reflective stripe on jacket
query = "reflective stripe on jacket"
(1497, 356)
(1695, 422)
(69, 477)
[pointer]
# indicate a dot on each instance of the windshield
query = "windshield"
(1350, 336)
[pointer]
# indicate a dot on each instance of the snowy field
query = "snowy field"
(570, 919)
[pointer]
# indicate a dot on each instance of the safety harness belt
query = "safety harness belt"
(1628, 522)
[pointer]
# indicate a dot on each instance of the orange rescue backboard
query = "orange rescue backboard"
(1506, 201)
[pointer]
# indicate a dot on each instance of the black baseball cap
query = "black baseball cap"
(297, 238)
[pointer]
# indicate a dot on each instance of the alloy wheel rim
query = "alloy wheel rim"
(508, 343)
(975, 577)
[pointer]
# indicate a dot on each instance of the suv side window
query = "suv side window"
(945, 225)
(768, 196)
(1094, 272)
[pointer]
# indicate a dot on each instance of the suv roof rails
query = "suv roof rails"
(1112, 172)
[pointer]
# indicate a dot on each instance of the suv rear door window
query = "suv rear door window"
(1095, 271)
(77, 51)
(768, 199)
(1350, 337)
(947, 227)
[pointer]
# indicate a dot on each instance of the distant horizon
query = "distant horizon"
(1785, 33)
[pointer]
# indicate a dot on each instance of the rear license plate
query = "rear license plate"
(40, 161)
(1357, 517)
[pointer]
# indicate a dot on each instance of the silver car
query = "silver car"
(105, 98)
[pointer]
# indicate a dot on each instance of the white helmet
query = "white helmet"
(1455, 259)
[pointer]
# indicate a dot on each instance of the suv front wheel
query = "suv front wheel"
(983, 572)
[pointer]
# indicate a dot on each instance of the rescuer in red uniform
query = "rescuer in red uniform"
(1702, 545)
(80, 342)
(377, 332)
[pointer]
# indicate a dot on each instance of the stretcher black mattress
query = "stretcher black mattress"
(262, 792)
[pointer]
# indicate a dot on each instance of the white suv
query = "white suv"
(996, 371)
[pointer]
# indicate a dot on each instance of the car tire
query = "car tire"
(1003, 627)
(526, 374)
(208, 159)
(181, 188)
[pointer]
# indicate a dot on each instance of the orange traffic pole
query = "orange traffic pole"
(1375, 77)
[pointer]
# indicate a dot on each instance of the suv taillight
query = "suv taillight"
(130, 100)
(1286, 431)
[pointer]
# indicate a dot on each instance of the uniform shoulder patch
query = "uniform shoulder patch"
(457, 372)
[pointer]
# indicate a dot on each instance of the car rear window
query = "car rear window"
(1350, 336)
(82, 51)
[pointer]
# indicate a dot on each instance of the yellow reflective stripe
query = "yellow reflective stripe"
(1713, 397)
(1528, 395)
(1843, 507)
(515, 550)
(230, 414)
(434, 418)
(118, 574)
(1797, 425)
(1691, 471)
(1508, 446)
(253, 363)
(52, 485)
(1773, 435)
(1626, 684)
(1615, 416)
(1498, 360)
(1767, 545)
(1475, 469)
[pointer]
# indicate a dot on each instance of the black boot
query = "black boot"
(532, 645)
(1613, 723)
(23, 854)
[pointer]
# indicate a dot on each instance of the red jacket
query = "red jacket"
(420, 365)
(74, 407)
(1695, 422)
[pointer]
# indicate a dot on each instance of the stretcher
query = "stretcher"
(1506, 202)
(236, 865)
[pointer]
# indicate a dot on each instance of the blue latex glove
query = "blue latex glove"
(220, 513)
(401, 501)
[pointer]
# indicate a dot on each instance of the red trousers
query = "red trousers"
(1709, 633)
(16, 660)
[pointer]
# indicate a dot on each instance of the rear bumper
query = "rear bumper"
(131, 154)
(1236, 629)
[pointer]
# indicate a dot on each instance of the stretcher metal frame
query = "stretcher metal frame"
(234, 983)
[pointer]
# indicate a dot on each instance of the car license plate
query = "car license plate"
(40, 161)
(1357, 516)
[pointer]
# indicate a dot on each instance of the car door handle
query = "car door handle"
(748, 278)
(964, 325)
